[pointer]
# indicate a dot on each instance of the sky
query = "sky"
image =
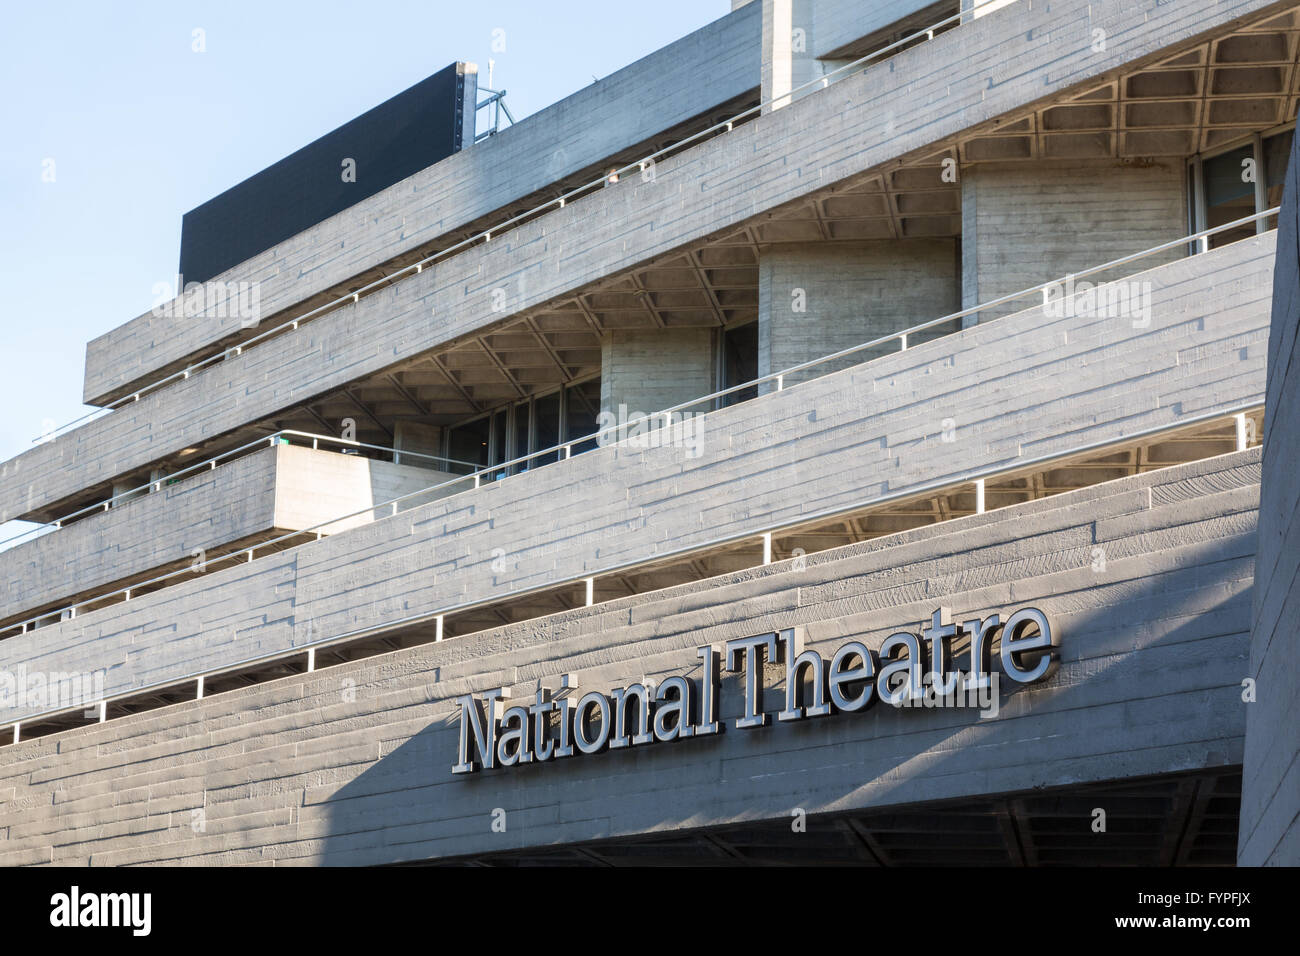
(113, 125)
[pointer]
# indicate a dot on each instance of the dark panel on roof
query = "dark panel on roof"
(413, 130)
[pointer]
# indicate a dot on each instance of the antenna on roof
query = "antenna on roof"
(496, 101)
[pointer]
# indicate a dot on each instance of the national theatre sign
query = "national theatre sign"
(498, 732)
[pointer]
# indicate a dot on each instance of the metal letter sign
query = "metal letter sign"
(910, 670)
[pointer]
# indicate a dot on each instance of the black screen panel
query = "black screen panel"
(411, 131)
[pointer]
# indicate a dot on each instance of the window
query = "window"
(516, 430)
(523, 419)
(1229, 193)
(546, 422)
(1238, 182)
(469, 442)
(740, 361)
(581, 406)
(500, 451)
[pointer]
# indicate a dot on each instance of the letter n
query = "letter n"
(479, 719)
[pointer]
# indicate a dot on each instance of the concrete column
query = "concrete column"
(788, 61)
(818, 298)
(121, 486)
(974, 9)
(798, 35)
(1027, 223)
(652, 369)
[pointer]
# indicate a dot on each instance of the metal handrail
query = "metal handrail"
(762, 533)
(207, 464)
(1201, 238)
(485, 235)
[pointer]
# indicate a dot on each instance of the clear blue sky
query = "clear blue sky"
(142, 129)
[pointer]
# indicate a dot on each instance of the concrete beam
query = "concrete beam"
(879, 115)
(935, 413)
(664, 89)
(290, 771)
(263, 494)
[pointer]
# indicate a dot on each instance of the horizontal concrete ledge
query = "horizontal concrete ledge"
(196, 520)
(1022, 386)
(819, 140)
(675, 84)
(351, 764)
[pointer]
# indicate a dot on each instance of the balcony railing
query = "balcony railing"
(762, 535)
(662, 418)
(283, 437)
(484, 236)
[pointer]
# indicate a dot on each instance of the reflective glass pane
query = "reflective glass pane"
(546, 425)
(1228, 194)
(469, 443)
(583, 403)
(520, 447)
(500, 451)
(740, 348)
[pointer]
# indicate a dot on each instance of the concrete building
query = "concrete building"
(835, 437)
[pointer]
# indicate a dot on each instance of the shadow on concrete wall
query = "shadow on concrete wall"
(408, 806)
(1270, 817)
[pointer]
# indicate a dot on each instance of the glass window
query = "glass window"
(500, 450)
(520, 447)
(510, 433)
(546, 425)
(1228, 194)
(740, 355)
(582, 405)
(469, 442)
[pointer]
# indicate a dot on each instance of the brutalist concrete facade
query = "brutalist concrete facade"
(301, 694)
(352, 765)
(1270, 831)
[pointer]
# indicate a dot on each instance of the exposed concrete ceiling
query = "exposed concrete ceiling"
(1198, 97)
(1192, 443)
(1170, 820)
(1192, 97)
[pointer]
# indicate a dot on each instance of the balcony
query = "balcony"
(562, 297)
(960, 423)
(258, 499)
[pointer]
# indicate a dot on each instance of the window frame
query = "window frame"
(510, 409)
(1197, 209)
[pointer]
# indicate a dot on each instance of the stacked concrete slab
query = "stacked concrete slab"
(712, 66)
(1270, 799)
(352, 764)
(937, 90)
(834, 442)
(1148, 580)
(265, 494)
